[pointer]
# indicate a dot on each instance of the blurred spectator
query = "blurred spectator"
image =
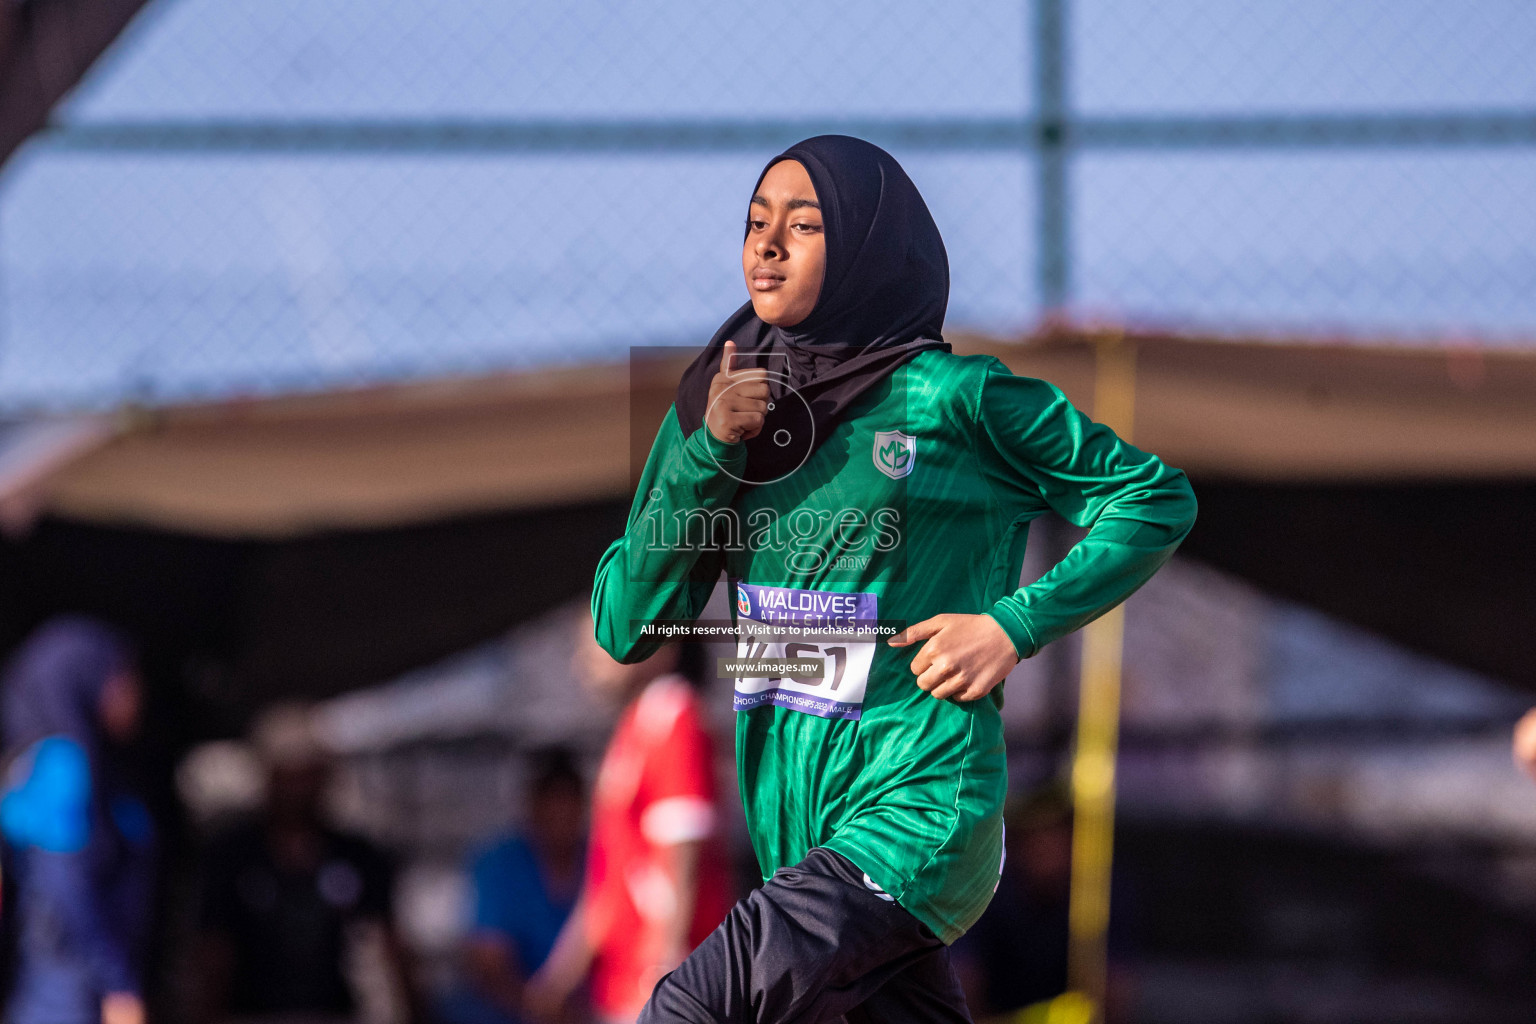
(656, 881)
(287, 899)
(525, 886)
(78, 843)
(1016, 955)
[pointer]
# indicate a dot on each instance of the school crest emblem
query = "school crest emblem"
(895, 453)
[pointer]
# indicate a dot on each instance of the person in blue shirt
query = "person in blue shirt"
(78, 845)
(525, 885)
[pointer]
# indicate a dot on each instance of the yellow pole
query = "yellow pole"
(1098, 726)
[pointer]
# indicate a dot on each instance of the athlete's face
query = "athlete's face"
(785, 254)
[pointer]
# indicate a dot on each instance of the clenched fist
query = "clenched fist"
(738, 401)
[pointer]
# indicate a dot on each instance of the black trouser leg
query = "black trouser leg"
(812, 945)
(927, 991)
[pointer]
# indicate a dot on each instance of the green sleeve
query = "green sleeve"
(650, 573)
(1037, 452)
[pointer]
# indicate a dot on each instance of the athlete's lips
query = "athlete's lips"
(764, 279)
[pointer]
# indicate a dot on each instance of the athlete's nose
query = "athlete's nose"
(771, 242)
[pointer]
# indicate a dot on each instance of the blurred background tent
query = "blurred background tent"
(316, 339)
(1386, 485)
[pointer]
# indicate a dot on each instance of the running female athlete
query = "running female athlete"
(831, 455)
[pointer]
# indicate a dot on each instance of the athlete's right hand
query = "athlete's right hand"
(738, 401)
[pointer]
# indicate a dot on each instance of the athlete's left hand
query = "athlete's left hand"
(965, 655)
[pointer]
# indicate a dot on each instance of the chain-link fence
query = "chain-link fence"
(268, 195)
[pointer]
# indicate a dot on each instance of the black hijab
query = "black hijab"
(882, 302)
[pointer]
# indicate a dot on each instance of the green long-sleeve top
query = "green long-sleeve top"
(916, 503)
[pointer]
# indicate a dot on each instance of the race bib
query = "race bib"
(773, 623)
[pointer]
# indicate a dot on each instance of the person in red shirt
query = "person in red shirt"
(656, 878)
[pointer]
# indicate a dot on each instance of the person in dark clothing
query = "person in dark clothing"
(79, 845)
(282, 896)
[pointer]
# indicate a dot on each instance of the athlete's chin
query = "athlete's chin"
(776, 313)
